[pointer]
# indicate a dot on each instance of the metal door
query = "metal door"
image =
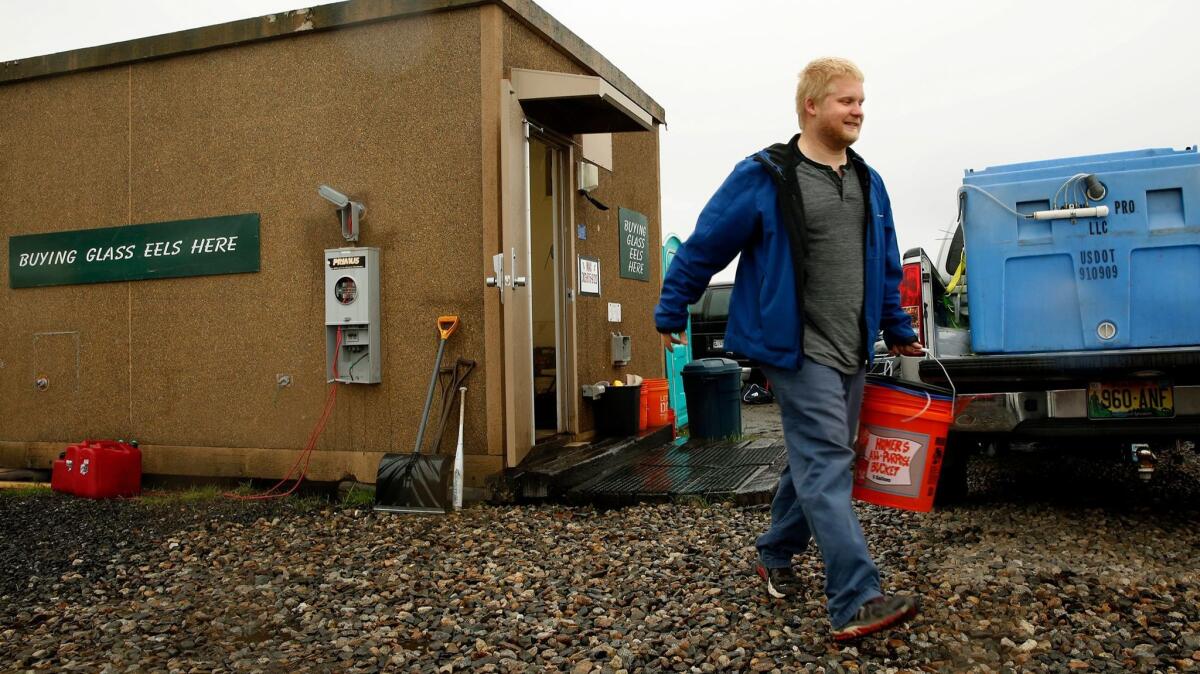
(511, 271)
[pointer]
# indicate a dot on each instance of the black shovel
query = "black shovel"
(416, 482)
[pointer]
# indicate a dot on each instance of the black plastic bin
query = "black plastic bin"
(713, 388)
(617, 411)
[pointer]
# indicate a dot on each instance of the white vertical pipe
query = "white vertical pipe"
(526, 255)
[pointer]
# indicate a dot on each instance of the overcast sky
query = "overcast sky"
(949, 85)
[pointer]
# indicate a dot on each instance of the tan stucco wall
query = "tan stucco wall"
(524, 49)
(64, 164)
(633, 184)
(389, 112)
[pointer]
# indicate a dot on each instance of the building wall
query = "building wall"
(399, 114)
(633, 184)
(388, 112)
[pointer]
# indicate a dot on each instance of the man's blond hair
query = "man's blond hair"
(816, 80)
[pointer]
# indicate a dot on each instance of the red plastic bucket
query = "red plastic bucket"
(901, 440)
(656, 402)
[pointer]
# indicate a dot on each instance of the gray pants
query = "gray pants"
(820, 407)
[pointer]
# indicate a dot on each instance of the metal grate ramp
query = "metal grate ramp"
(747, 471)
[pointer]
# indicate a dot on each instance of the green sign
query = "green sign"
(635, 237)
(223, 245)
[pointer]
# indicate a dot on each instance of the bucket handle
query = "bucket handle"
(928, 402)
(928, 398)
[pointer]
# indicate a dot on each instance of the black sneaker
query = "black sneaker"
(782, 583)
(875, 615)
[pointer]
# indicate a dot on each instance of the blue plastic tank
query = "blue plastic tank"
(1128, 279)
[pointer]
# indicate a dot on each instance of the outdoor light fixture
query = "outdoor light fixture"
(589, 179)
(349, 211)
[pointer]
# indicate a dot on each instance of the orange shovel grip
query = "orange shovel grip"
(447, 325)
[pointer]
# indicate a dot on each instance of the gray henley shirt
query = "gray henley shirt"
(835, 216)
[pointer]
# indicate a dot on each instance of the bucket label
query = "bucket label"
(890, 460)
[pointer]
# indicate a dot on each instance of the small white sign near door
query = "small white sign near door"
(589, 276)
(614, 312)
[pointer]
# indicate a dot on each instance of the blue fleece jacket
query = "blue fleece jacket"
(758, 212)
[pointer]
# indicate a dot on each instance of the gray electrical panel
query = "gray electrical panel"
(622, 349)
(352, 354)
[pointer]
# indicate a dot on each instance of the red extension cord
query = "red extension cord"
(306, 455)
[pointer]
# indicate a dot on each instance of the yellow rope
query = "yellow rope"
(962, 266)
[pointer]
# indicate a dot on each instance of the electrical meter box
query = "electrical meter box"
(352, 354)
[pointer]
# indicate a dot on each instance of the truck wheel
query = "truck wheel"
(952, 483)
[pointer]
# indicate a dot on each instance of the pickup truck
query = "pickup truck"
(1127, 402)
(709, 316)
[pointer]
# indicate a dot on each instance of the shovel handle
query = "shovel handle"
(447, 325)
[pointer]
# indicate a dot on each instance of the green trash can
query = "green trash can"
(713, 387)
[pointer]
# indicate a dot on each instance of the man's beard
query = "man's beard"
(836, 134)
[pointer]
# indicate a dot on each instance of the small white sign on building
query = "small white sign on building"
(614, 312)
(589, 276)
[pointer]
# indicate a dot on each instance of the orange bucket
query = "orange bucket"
(656, 403)
(900, 444)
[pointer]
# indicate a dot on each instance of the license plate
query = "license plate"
(1130, 400)
(718, 343)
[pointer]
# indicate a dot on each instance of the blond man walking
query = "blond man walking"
(818, 278)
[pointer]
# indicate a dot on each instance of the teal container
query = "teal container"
(676, 359)
(713, 388)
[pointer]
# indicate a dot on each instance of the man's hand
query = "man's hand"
(669, 340)
(911, 349)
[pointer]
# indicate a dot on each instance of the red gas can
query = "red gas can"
(132, 470)
(65, 476)
(61, 476)
(107, 469)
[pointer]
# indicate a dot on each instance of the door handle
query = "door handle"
(517, 281)
(498, 279)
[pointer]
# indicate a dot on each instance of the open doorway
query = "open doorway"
(545, 279)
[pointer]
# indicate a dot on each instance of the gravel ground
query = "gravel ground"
(762, 421)
(1050, 565)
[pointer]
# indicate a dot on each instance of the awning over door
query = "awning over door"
(573, 104)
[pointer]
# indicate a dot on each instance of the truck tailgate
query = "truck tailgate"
(1048, 371)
